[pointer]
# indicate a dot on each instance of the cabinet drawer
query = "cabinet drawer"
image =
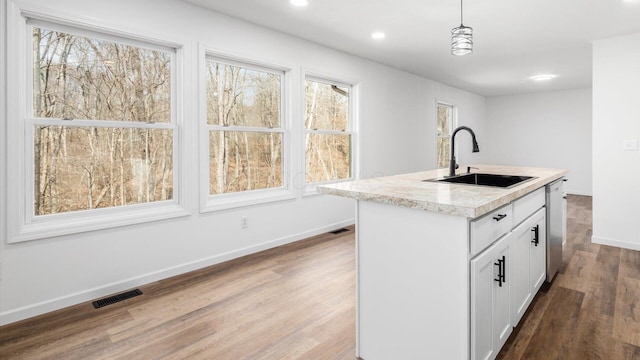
(527, 205)
(490, 227)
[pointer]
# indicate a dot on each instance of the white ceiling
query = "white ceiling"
(513, 39)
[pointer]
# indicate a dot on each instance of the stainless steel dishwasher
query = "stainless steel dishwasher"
(556, 203)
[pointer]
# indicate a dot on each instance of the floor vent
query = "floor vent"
(116, 298)
(339, 231)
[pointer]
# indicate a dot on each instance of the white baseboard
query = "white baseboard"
(40, 308)
(617, 243)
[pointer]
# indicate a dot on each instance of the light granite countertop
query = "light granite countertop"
(471, 201)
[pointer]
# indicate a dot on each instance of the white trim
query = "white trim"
(357, 280)
(16, 79)
(246, 198)
(99, 123)
(226, 201)
(328, 78)
(203, 133)
(247, 62)
(311, 189)
(355, 130)
(245, 129)
(328, 132)
(32, 310)
(87, 30)
(614, 242)
(4, 173)
(69, 19)
(22, 225)
(78, 224)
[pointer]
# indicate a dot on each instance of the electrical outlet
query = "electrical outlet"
(244, 222)
(630, 145)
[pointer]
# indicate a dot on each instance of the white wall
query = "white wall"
(551, 129)
(470, 111)
(397, 124)
(413, 118)
(616, 117)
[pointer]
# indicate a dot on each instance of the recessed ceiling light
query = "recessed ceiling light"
(299, 2)
(542, 77)
(378, 35)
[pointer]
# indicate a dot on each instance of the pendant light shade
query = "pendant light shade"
(461, 38)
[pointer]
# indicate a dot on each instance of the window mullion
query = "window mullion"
(329, 132)
(245, 129)
(98, 123)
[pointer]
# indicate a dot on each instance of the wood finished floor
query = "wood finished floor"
(292, 302)
(592, 308)
(298, 302)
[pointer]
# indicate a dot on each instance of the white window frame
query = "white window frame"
(452, 126)
(22, 224)
(351, 130)
(217, 202)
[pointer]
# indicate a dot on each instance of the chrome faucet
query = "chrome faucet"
(452, 163)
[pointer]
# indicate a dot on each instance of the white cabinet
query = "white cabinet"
(490, 309)
(490, 227)
(528, 251)
(527, 205)
(507, 272)
(539, 251)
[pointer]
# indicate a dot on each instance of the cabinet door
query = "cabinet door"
(490, 311)
(520, 269)
(502, 323)
(538, 260)
(528, 266)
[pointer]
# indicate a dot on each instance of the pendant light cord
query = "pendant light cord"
(461, 37)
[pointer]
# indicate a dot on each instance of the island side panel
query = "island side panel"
(413, 284)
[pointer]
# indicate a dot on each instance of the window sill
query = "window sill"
(243, 199)
(73, 223)
(311, 190)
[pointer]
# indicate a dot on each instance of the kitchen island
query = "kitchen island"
(435, 278)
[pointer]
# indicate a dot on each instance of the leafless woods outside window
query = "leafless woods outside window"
(444, 124)
(328, 135)
(102, 127)
(245, 128)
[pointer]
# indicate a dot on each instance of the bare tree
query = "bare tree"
(327, 154)
(83, 78)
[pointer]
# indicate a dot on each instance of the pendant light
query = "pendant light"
(461, 38)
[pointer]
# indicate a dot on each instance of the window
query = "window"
(444, 125)
(101, 122)
(245, 129)
(100, 131)
(328, 131)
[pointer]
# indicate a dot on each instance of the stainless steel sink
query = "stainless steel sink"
(495, 180)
